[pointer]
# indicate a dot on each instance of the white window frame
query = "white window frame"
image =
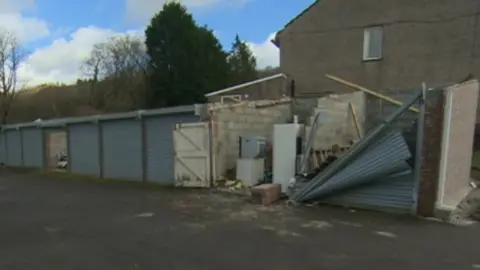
(236, 98)
(367, 39)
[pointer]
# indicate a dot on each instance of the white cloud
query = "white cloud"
(61, 60)
(14, 6)
(26, 29)
(267, 53)
(143, 10)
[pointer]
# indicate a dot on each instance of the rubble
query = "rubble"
(378, 159)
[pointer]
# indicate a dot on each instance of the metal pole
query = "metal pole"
(419, 142)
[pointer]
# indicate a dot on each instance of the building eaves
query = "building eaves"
(276, 40)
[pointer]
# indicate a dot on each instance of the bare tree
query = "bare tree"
(122, 62)
(92, 68)
(11, 56)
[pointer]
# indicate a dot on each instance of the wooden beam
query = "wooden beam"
(355, 121)
(370, 92)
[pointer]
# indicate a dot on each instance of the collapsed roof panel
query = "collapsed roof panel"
(381, 158)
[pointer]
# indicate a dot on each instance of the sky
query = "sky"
(59, 34)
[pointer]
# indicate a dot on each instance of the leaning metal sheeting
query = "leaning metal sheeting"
(384, 157)
(394, 192)
(302, 191)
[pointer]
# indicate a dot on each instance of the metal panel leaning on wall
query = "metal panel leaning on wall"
(122, 149)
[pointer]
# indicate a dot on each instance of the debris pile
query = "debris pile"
(364, 172)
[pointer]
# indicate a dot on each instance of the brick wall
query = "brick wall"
(243, 119)
(432, 144)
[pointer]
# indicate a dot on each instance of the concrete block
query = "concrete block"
(249, 110)
(266, 194)
(240, 110)
(258, 126)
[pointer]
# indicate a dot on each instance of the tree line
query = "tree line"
(177, 64)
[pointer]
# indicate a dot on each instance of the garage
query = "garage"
(159, 146)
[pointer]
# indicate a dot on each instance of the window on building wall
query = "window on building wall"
(373, 43)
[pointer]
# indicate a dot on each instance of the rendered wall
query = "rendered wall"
(459, 127)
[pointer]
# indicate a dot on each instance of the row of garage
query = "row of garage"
(135, 146)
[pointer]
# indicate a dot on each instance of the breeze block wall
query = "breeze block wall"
(336, 123)
(252, 118)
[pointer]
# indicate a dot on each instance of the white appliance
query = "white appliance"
(285, 153)
(250, 170)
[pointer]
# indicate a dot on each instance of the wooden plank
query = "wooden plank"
(370, 92)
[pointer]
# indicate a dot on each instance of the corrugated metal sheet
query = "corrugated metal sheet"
(396, 192)
(32, 147)
(83, 149)
(122, 149)
(386, 156)
(159, 136)
(3, 149)
(14, 148)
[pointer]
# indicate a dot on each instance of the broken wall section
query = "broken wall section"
(336, 123)
(229, 122)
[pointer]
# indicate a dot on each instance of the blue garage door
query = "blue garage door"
(14, 148)
(83, 149)
(122, 149)
(32, 147)
(3, 149)
(159, 136)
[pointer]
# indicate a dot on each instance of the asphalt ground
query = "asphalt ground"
(54, 223)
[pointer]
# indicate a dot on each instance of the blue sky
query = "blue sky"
(254, 20)
(60, 33)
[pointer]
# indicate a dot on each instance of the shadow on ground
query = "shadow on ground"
(58, 224)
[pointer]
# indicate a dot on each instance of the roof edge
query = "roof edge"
(277, 40)
(195, 109)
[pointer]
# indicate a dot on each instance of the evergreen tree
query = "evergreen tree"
(186, 60)
(242, 62)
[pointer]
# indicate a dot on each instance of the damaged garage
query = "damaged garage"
(326, 156)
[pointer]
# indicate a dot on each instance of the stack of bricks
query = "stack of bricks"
(266, 194)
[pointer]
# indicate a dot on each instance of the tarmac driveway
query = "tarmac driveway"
(63, 224)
